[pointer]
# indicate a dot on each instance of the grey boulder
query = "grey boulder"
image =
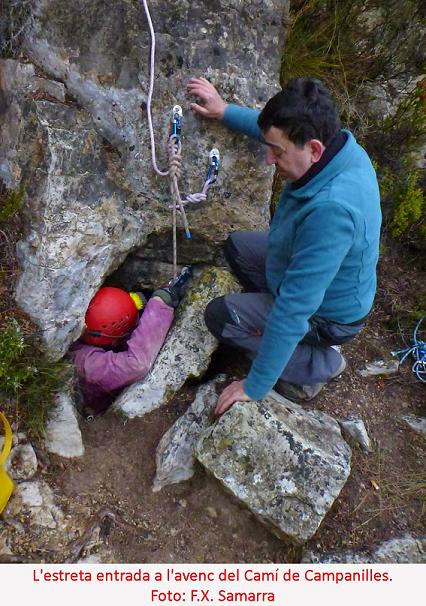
(33, 504)
(286, 464)
(174, 456)
(355, 428)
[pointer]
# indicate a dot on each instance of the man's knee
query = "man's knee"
(216, 316)
(231, 247)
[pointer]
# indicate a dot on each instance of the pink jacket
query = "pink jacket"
(103, 373)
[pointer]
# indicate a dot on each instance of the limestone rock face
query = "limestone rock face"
(89, 228)
(79, 223)
(286, 464)
(186, 351)
(73, 122)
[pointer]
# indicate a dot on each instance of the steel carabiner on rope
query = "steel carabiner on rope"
(177, 121)
(213, 172)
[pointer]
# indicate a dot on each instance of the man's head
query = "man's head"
(298, 123)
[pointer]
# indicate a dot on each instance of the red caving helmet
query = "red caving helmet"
(112, 313)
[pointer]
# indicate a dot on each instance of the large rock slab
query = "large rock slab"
(73, 125)
(286, 464)
(401, 550)
(174, 456)
(186, 352)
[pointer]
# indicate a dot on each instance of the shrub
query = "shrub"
(409, 119)
(28, 380)
(408, 206)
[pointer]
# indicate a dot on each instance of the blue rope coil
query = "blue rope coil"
(418, 350)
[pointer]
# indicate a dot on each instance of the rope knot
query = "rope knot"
(175, 157)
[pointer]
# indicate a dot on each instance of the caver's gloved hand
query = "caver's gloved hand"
(173, 292)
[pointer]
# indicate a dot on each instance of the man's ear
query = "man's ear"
(317, 149)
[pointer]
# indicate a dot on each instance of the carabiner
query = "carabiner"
(177, 121)
(213, 173)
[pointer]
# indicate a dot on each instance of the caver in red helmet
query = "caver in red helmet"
(112, 313)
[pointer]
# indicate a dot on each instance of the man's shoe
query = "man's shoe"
(340, 369)
(297, 393)
(304, 393)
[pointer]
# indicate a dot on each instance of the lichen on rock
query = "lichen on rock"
(286, 464)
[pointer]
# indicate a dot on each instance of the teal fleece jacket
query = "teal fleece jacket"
(323, 247)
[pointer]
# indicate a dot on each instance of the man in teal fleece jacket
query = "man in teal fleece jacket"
(312, 277)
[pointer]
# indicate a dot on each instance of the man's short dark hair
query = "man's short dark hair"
(303, 110)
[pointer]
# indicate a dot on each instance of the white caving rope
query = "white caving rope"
(175, 156)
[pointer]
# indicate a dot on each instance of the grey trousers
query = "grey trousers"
(239, 319)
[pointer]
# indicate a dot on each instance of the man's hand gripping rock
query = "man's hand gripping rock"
(213, 105)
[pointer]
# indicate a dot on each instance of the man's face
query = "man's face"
(291, 161)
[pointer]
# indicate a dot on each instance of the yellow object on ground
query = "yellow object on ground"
(6, 484)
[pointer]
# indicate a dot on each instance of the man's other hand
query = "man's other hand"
(213, 104)
(233, 393)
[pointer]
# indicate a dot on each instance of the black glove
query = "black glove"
(173, 292)
(169, 295)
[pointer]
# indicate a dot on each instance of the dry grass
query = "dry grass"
(15, 15)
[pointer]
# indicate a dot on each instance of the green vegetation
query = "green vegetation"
(321, 43)
(407, 125)
(401, 135)
(11, 202)
(28, 380)
(350, 44)
(408, 211)
(356, 49)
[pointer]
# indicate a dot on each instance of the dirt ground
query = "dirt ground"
(196, 521)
